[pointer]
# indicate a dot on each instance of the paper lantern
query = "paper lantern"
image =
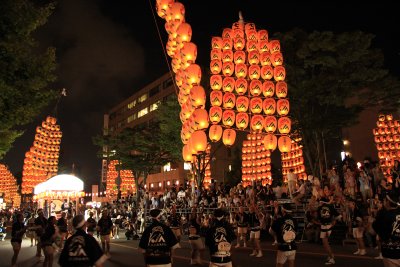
(216, 54)
(184, 33)
(279, 73)
(277, 59)
(193, 74)
(228, 118)
(163, 6)
(238, 32)
(215, 115)
(255, 87)
(254, 57)
(281, 89)
(227, 33)
(216, 43)
(254, 72)
(251, 46)
(257, 123)
(269, 106)
(242, 104)
(249, 27)
(239, 57)
(239, 43)
(389, 117)
(263, 35)
(241, 70)
(270, 124)
(274, 46)
(226, 44)
(284, 125)
(241, 86)
(270, 142)
(228, 68)
(282, 107)
(267, 72)
(252, 35)
(176, 13)
(216, 98)
(215, 133)
(265, 59)
(198, 96)
(242, 120)
(198, 141)
(256, 105)
(189, 52)
(284, 144)
(228, 84)
(175, 64)
(216, 82)
(229, 137)
(200, 117)
(215, 66)
(268, 88)
(227, 56)
(229, 100)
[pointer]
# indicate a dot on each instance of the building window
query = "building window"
(168, 83)
(154, 91)
(132, 104)
(143, 112)
(142, 98)
(130, 119)
(154, 106)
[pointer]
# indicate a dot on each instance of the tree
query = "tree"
(331, 79)
(25, 71)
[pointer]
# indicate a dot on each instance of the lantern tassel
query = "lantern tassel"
(241, 20)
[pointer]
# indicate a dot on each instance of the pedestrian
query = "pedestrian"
(47, 240)
(175, 223)
(157, 242)
(91, 224)
(63, 228)
(242, 219)
(292, 180)
(31, 232)
(358, 229)
(255, 230)
(40, 225)
(219, 239)
(81, 249)
(18, 230)
(285, 229)
(105, 226)
(195, 241)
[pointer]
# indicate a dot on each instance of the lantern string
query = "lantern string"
(162, 45)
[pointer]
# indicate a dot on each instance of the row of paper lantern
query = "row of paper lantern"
(8, 186)
(41, 153)
(127, 179)
(386, 131)
(262, 57)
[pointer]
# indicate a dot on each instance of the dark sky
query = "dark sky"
(107, 50)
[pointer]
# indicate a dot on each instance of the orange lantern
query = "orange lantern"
(184, 33)
(268, 88)
(255, 87)
(270, 124)
(279, 73)
(242, 104)
(281, 89)
(216, 98)
(282, 107)
(241, 86)
(228, 137)
(189, 52)
(254, 57)
(227, 33)
(284, 144)
(269, 106)
(265, 59)
(215, 66)
(215, 133)
(267, 72)
(200, 117)
(216, 54)
(229, 100)
(239, 57)
(274, 46)
(227, 56)
(228, 84)
(257, 123)
(252, 35)
(252, 46)
(216, 82)
(216, 43)
(256, 105)
(277, 59)
(263, 47)
(228, 68)
(198, 96)
(238, 32)
(284, 125)
(241, 70)
(254, 72)
(228, 118)
(249, 26)
(270, 142)
(263, 35)
(242, 120)
(226, 44)
(176, 13)
(215, 115)
(163, 6)
(198, 141)
(239, 43)
(193, 74)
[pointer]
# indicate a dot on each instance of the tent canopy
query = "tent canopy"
(60, 183)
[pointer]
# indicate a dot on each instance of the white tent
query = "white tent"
(60, 183)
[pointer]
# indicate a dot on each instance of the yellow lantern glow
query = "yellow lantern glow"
(227, 56)
(215, 66)
(274, 46)
(254, 72)
(188, 52)
(281, 89)
(198, 141)
(163, 6)
(176, 13)
(284, 144)
(268, 88)
(256, 105)
(229, 100)
(193, 74)
(215, 133)
(239, 57)
(227, 33)
(279, 73)
(184, 33)
(270, 124)
(198, 96)
(283, 107)
(254, 57)
(241, 70)
(267, 72)
(216, 82)
(242, 120)
(241, 86)
(255, 87)
(216, 98)
(228, 84)
(242, 104)
(252, 46)
(257, 123)
(263, 35)
(284, 125)
(277, 59)
(216, 43)
(265, 59)
(239, 43)
(228, 118)
(228, 68)
(270, 142)
(226, 44)
(200, 117)
(216, 54)
(229, 137)
(215, 115)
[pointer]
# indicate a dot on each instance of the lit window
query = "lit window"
(143, 112)
(167, 167)
(132, 104)
(187, 166)
(130, 118)
(154, 106)
(142, 98)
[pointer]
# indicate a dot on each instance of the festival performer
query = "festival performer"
(255, 230)
(18, 230)
(175, 223)
(104, 226)
(242, 224)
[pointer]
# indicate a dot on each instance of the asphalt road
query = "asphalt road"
(125, 253)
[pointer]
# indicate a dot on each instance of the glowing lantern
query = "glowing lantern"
(228, 84)
(239, 57)
(268, 88)
(242, 120)
(228, 118)
(242, 104)
(241, 70)
(216, 54)
(254, 72)
(267, 72)
(198, 141)
(257, 123)
(254, 57)
(270, 142)
(216, 43)
(279, 73)
(215, 115)
(229, 100)
(227, 56)
(179, 76)
(193, 74)
(282, 107)
(227, 33)
(252, 46)
(263, 35)
(216, 98)
(277, 59)
(200, 117)
(239, 43)
(163, 6)
(241, 86)
(256, 105)
(249, 26)
(255, 87)
(216, 82)
(263, 47)
(215, 133)
(187, 153)
(226, 44)
(281, 89)
(215, 66)
(184, 33)
(198, 96)
(265, 59)
(284, 144)
(176, 13)
(274, 46)
(176, 64)
(270, 124)
(228, 68)
(252, 35)
(269, 106)
(228, 137)
(238, 33)
(284, 125)
(189, 52)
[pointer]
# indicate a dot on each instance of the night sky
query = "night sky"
(107, 50)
